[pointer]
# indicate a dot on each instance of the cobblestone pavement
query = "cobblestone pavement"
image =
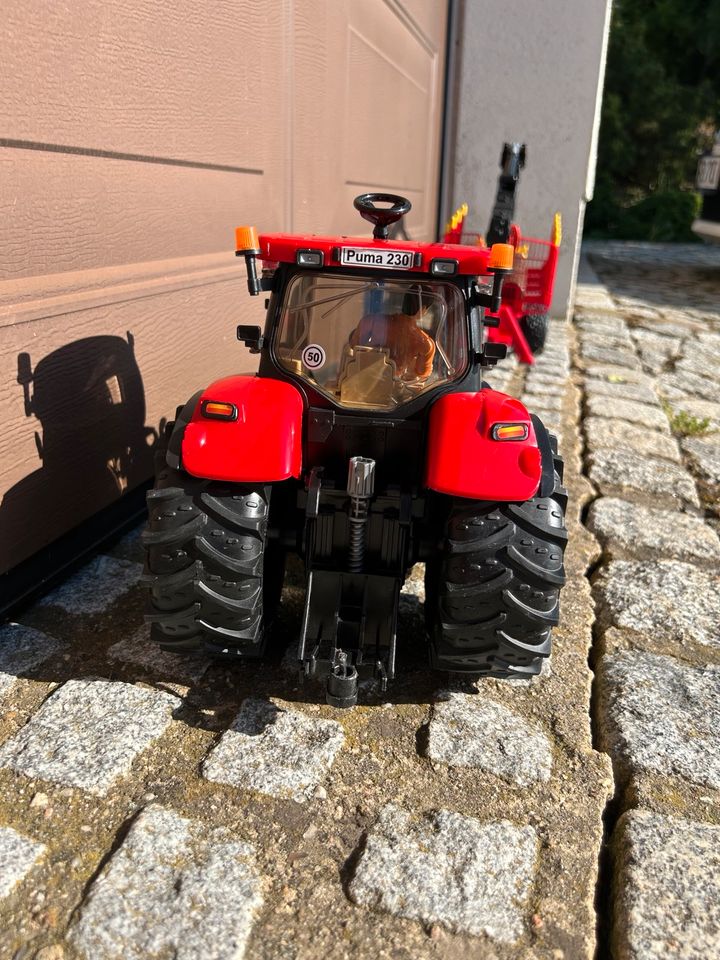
(152, 807)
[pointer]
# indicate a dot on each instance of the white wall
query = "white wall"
(529, 71)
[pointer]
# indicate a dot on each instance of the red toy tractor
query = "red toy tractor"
(522, 320)
(366, 442)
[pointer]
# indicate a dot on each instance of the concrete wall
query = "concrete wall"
(528, 71)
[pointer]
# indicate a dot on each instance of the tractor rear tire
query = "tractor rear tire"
(535, 329)
(211, 580)
(492, 593)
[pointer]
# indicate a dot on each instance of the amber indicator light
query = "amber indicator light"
(510, 431)
(501, 256)
(217, 410)
(246, 239)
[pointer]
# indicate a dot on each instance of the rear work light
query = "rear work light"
(309, 258)
(218, 410)
(510, 431)
(443, 268)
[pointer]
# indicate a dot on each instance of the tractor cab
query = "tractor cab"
(372, 324)
(367, 343)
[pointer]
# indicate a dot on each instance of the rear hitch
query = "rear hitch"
(350, 621)
(342, 683)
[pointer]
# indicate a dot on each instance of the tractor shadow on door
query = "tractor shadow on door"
(88, 400)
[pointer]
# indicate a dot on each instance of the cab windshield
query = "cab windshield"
(371, 343)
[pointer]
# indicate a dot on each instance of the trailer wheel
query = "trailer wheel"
(492, 593)
(212, 578)
(535, 329)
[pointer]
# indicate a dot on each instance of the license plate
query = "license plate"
(372, 257)
(708, 173)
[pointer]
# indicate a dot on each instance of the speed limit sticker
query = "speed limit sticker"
(313, 356)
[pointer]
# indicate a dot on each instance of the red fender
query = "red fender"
(262, 445)
(463, 460)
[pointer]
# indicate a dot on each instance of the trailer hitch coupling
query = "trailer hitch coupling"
(342, 683)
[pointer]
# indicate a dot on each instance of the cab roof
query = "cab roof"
(284, 248)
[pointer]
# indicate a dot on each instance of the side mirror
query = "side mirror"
(25, 374)
(251, 336)
(25, 378)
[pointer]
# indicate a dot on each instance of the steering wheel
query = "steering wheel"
(382, 217)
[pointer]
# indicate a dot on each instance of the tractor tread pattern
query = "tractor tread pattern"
(492, 592)
(204, 546)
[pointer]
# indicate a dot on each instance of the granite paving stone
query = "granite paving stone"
(93, 588)
(630, 530)
(669, 347)
(557, 363)
(21, 649)
(18, 855)
(174, 888)
(659, 326)
(551, 418)
(470, 731)
(667, 888)
(140, 650)
(679, 384)
(637, 308)
(703, 454)
(88, 733)
(600, 323)
(540, 388)
(701, 358)
(446, 868)
(542, 402)
(590, 294)
(653, 360)
(655, 350)
(619, 357)
(498, 381)
(704, 411)
(547, 377)
(615, 408)
(621, 435)
(613, 374)
(276, 751)
(558, 357)
(666, 599)
(661, 716)
(613, 341)
(627, 473)
(710, 342)
(638, 392)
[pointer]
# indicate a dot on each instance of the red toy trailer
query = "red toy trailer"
(368, 441)
(522, 321)
(527, 293)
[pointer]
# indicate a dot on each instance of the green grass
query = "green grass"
(684, 424)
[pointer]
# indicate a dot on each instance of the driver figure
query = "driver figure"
(410, 348)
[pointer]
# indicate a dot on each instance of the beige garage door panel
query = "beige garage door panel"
(183, 80)
(375, 119)
(137, 135)
(63, 212)
(86, 380)
(428, 17)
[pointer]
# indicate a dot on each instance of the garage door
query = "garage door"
(135, 136)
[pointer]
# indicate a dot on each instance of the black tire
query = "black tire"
(492, 594)
(535, 329)
(211, 577)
